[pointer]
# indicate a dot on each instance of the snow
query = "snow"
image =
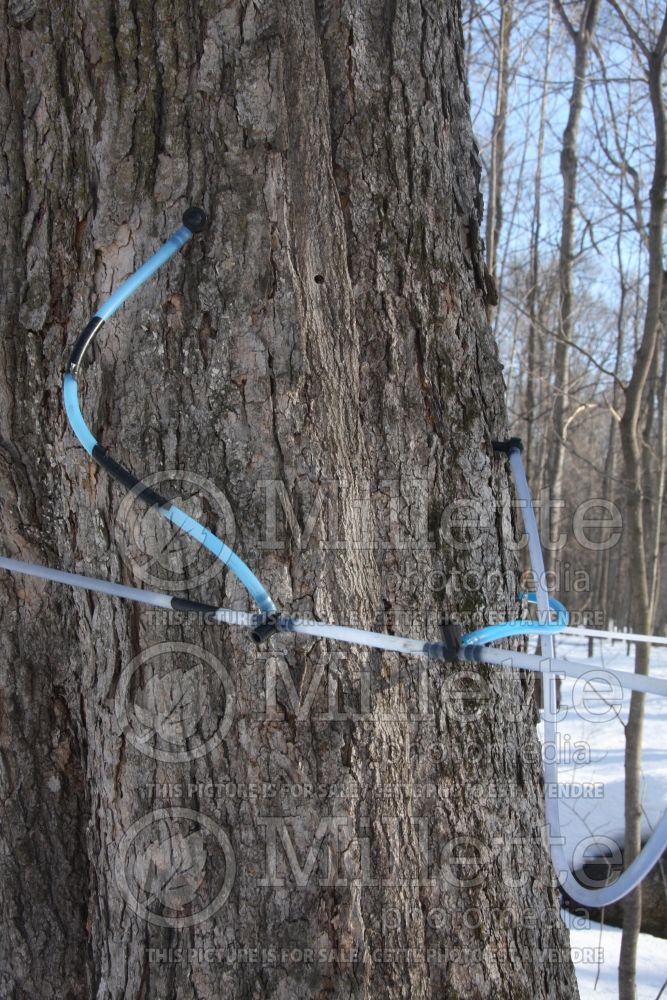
(595, 951)
(591, 768)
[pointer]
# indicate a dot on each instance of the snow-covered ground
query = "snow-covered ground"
(595, 951)
(590, 752)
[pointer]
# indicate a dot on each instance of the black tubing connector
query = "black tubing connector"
(512, 444)
(195, 219)
(267, 627)
(451, 637)
(83, 342)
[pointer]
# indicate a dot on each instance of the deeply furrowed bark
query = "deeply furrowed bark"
(327, 336)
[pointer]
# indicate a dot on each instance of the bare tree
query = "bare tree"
(494, 208)
(582, 39)
(328, 333)
(534, 365)
(643, 568)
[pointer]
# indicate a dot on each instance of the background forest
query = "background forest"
(571, 136)
(568, 109)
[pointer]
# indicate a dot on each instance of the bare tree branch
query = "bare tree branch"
(566, 21)
(634, 35)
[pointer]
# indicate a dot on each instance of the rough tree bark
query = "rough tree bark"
(326, 338)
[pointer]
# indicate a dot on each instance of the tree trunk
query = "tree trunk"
(326, 338)
(569, 165)
(642, 546)
(494, 209)
(535, 333)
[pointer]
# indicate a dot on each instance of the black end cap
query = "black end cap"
(266, 628)
(512, 444)
(195, 219)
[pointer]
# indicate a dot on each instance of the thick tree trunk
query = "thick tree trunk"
(326, 338)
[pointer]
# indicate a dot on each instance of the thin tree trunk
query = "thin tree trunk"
(640, 542)
(494, 211)
(328, 334)
(582, 39)
(534, 373)
(605, 590)
(658, 480)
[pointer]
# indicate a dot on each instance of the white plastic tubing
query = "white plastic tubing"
(354, 636)
(657, 843)
(598, 633)
(548, 665)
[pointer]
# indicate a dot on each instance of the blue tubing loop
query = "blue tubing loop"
(474, 652)
(506, 630)
(194, 221)
(221, 551)
(657, 842)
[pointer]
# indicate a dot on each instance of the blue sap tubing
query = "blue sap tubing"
(86, 583)
(146, 271)
(505, 630)
(177, 517)
(74, 415)
(222, 552)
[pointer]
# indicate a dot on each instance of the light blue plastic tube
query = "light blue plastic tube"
(504, 630)
(73, 411)
(86, 583)
(146, 271)
(222, 552)
(177, 517)
(654, 849)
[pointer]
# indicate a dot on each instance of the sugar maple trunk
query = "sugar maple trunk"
(322, 350)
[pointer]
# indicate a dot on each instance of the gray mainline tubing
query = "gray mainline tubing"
(86, 583)
(568, 668)
(550, 666)
(355, 636)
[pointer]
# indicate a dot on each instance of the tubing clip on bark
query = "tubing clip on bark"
(267, 625)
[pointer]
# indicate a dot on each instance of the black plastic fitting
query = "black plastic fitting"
(83, 342)
(267, 627)
(192, 607)
(451, 636)
(128, 479)
(195, 219)
(512, 444)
